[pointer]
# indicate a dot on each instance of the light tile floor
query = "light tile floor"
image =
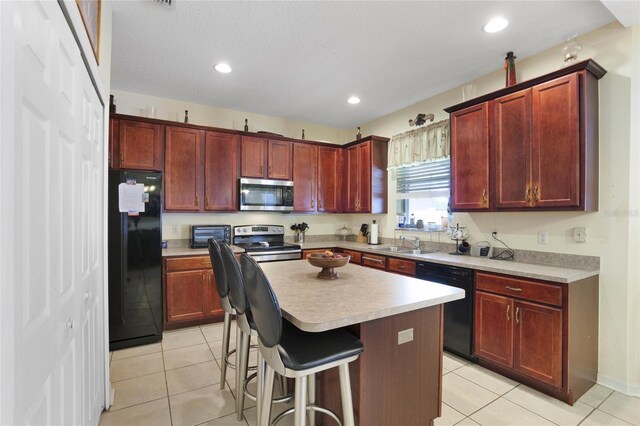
(176, 382)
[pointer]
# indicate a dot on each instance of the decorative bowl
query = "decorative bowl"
(327, 264)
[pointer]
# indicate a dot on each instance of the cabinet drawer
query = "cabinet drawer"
(188, 263)
(519, 288)
(374, 261)
(401, 266)
(356, 256)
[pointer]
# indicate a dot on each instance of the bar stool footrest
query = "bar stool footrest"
(310, 407)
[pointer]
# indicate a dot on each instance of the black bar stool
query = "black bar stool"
(223, 294)
(294, 353)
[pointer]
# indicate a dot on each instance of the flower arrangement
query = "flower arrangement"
(300, 227)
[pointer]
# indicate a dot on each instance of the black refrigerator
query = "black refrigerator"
(135, 262)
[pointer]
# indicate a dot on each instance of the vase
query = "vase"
(510, 68)
(300, 237)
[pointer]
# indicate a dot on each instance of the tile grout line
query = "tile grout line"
(166, 385)
(612, 415)
(487, 389)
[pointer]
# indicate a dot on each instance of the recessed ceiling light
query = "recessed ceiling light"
(223, 68)
(495, 25)
(354, 100)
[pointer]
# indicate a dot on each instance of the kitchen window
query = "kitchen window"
(423, 193)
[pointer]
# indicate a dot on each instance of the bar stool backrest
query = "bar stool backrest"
(235, 280)
(264, 304)
(218, 268)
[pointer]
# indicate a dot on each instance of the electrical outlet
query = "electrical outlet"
(405, 336)
(580, 234)
(542, 237)
(175, 230)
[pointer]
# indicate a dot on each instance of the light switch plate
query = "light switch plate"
(405, 336)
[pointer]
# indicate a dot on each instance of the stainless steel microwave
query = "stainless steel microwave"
(266, 195)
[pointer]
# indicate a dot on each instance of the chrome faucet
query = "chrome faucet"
(416, 244)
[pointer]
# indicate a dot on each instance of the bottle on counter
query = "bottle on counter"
(186, 116)
(246, 124)
(412, 221)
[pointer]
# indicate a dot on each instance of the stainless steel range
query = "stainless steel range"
(265, 243)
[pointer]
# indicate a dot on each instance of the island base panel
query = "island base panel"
(392, 384)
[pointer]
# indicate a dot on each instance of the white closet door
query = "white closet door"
(52, 213)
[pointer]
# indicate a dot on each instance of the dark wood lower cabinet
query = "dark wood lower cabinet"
(542, 334)
(190, 293)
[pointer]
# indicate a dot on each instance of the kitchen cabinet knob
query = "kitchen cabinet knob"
(206, 201)
(535, 194)
(527, 194)
(508, 308)
(122, 159)
(312, 203)
(484, 196)
(517, 311)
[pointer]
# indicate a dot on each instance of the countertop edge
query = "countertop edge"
(318, 327)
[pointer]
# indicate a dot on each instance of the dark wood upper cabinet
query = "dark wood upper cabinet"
(221, 171)
(279, 160)
(252, 157)
(114, 128)
(365, 168)
(329, 179)
(470, 158)
(140, 145)
(183, 170)
(265, 159)
(305, 175)
(543, 136)
(513, 150)
(556, 143)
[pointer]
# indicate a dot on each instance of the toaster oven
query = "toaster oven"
(200, 234)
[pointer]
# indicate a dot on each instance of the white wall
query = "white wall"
(609, 231)
(206, 115)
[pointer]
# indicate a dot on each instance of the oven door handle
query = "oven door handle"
(262, 253)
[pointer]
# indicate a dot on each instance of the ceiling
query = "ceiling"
(301, 60)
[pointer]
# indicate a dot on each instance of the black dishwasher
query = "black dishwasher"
(458, 315)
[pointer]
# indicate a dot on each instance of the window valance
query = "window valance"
(422, 145)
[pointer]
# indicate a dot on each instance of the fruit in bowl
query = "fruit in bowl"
(328, 260)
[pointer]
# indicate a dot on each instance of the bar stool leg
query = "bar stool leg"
(260, 390)
(345, 393)
(264, 417)
(311, 397)
(300, 414)
(226, 331)
(242, 360)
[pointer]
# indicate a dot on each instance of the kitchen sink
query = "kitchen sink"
(400, 250)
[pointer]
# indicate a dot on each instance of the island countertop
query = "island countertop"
(359, 295)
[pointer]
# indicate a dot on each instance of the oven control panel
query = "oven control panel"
(258, 230)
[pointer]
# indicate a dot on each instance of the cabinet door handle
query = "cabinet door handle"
(270, 170)
(312, 203)
(508, 308)
(261, 169)
(402, 267)
(513, 288)
(371, 259)
(122, 159)
(535, 194)
(197, 201)
(484, 196)
(206, 201)
(527, 193)
(517, 311)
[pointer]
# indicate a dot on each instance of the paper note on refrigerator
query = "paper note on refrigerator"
(131, 198)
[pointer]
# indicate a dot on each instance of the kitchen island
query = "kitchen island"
(398, 378)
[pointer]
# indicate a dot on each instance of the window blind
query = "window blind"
(424, 178)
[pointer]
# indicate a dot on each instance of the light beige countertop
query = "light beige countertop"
(359, 295)
(188, 251)
(521, 269)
